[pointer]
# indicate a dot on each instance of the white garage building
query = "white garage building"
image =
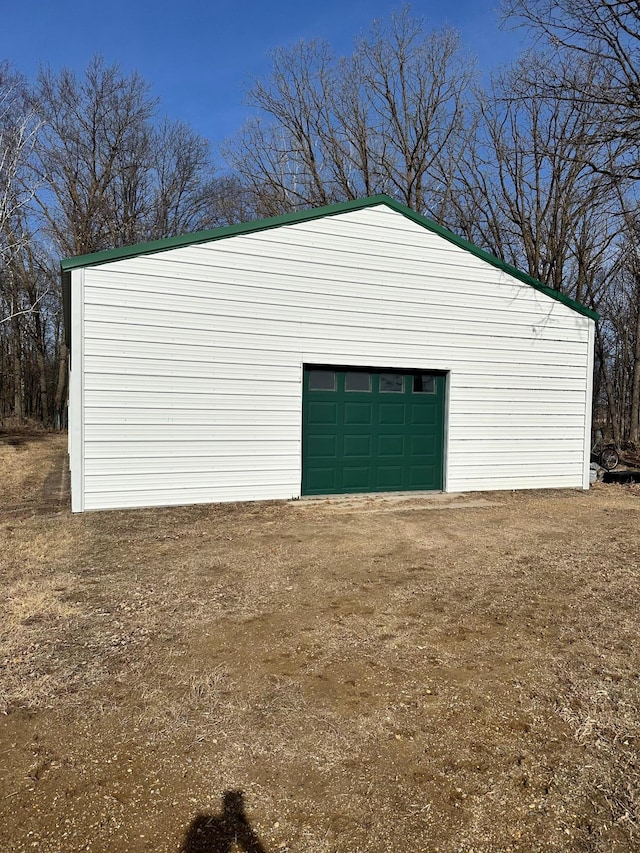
(352, 348)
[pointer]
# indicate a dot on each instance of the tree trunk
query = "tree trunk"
(44, 393)
(61, 387)
(41, 360)
(609, 391)
(634, 433)
(18, 391)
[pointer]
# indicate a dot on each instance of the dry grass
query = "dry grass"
(25, 462)
(375, 675)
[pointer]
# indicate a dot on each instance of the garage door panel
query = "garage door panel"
(322, 446)
(355, 478)
(420, 476)
(422, 444)
(423, 414)
(391, 445)
(391, 413)
(357, 413)
(356, 445)
(323, 412)
(322, 481)
(390, 477)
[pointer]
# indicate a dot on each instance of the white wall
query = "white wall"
(192, 359)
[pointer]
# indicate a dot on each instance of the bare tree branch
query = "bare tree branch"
(378, 121)
(30, 310)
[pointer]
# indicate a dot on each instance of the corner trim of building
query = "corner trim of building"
(588, 414)
(76, 392)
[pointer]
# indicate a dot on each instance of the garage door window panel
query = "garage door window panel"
(322, 380)
(357, 381)
(424, 383)
(391, 383)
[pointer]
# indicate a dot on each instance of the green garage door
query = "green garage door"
(371, 431)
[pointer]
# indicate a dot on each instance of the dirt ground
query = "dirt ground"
(458, 673)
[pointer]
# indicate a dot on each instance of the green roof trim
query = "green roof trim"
(126, 252)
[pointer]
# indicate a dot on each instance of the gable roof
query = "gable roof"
(125, 252)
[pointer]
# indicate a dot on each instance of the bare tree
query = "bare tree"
(525, 189)
(376, 121)
(19, 128)
(618, 338)
(97, 170)
(94, 143)
(18, 135)
(181, 173)
(111, 173)
(606, 35)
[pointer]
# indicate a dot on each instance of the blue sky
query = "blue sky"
(200, 57)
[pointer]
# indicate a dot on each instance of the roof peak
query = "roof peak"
(125, 252)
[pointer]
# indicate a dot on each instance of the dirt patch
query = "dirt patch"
(30, 463)
(319, 676)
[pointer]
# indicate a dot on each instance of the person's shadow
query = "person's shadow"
(218, 833)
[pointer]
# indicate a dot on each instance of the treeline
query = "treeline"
(540, 166)
(85, 164)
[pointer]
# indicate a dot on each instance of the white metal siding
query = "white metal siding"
(193, 358)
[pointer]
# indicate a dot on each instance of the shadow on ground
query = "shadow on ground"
(219, 833)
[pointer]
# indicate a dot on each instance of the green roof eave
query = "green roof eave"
(494, 261)
(218, 233)
(155, 246)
